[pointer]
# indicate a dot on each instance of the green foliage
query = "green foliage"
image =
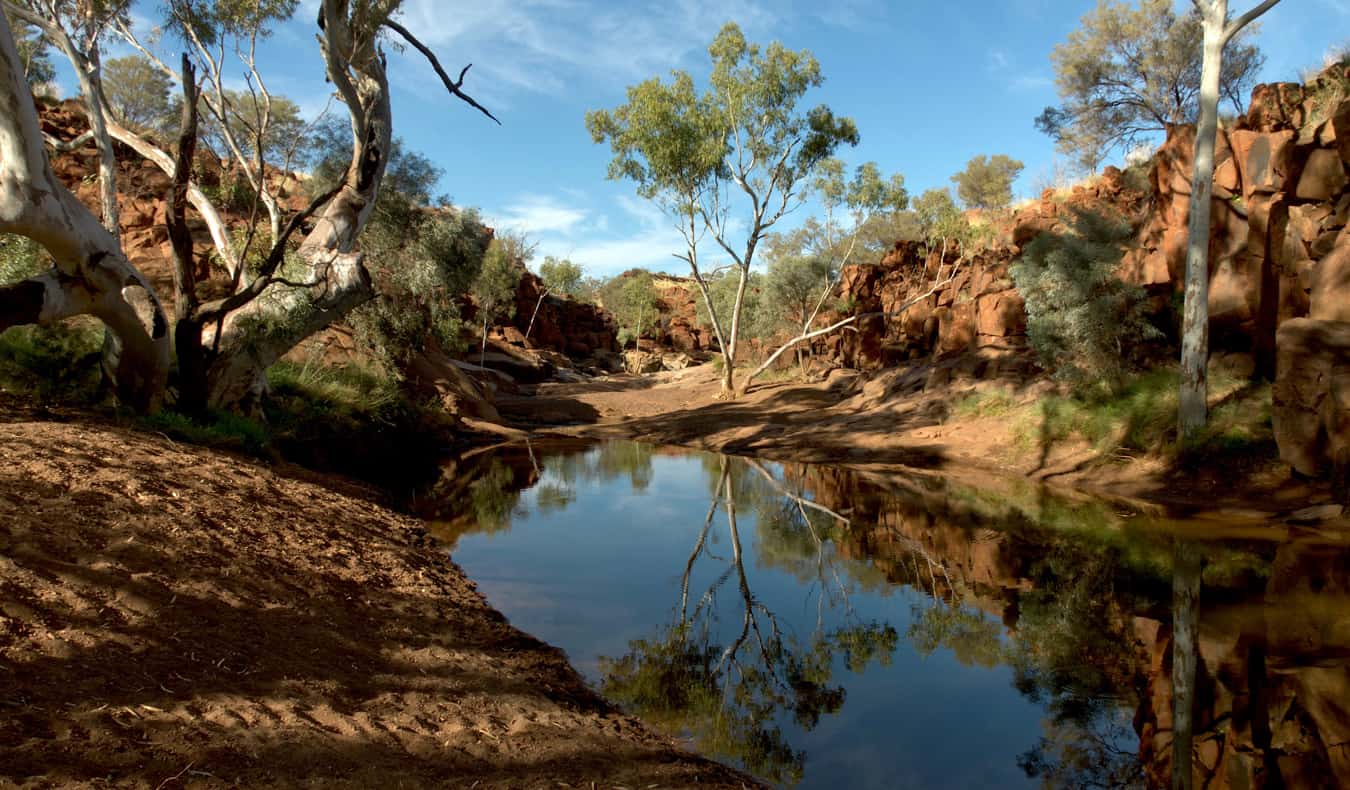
(633, 301)
(560, 275)
(20, 258)
(986, 183)
(60, 362)
(1140, 416)
(759, 319)
(420, 284)
(795, 286)
(494, 289)
(140, 94)
(1085, 323)
(318, 413)
(273, 129)
(744, 139)
(1130, 71)
(224, 19)
(34, 52)
(217, 429)
(938, 219)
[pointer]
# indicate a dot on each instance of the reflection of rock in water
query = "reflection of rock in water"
(1272, 693)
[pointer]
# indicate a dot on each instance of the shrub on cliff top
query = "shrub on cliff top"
(1084, 322)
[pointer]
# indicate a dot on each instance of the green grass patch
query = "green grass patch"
(984, 403)
(1141, 418)
(218, 430)
(354, 420)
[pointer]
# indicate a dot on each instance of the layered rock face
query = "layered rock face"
(563, 324)
(1279, 251)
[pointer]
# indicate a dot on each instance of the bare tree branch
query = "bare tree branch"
(452, 86)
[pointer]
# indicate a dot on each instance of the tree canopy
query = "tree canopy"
(727, 163)
(1129, 71)
(986, 182)
(139, 93)
(561, 275)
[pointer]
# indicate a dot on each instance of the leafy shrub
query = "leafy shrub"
(317, 414)
(420, 284)
(1084, 322)
(60, 362)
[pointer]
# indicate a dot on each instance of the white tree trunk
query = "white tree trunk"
(220, 234)
(335, 280)
(1192, 409)
(91, 274)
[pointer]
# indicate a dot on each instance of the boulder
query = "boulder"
(1323, 176)
(1330, 291)
(642, 362)
(956, 328)
(1263, 160)
(676, 361)
(1311, 412)
(1001, 314)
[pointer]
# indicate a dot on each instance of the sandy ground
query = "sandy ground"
(890, 420)
(173, 618)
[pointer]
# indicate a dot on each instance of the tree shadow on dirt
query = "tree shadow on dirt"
(165, 613)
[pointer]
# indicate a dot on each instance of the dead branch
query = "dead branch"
(453, 86)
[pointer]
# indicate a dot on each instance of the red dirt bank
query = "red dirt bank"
(175, 618)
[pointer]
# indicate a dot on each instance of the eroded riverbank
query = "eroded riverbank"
(891, 421)
(174, 617)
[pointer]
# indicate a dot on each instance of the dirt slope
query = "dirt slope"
(173, 618)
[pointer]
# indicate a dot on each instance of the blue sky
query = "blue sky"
(929, 84)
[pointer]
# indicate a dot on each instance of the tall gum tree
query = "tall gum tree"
(729, 163)
(1131, 71)
(1194, 390)
(863, 197)
(90, 275)
(297, 290)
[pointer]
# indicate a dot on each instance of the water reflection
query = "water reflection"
(727, 687)
(757, 610)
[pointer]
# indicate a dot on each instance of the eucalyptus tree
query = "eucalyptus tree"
(862, 198)
(1219, 31)
(293, 291)
(77, 29)
(1130, 71)
(986, 183)
(557, 276)
(1192, 401)
(727, 163)
(90, 273)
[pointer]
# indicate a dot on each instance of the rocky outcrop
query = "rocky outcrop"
(563, 324)
(1311, 412)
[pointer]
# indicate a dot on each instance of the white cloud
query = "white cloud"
(539, 215)
(640, 236)
(541, 46)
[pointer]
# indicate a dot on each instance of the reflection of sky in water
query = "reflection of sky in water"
(606, 569)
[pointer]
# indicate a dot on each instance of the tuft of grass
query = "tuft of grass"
(219, 430)
(984, 403)
(1141, 418)
(354, 420)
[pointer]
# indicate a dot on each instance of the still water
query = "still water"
(831, 627)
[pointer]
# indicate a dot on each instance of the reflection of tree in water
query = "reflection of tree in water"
(1072, 651)
(730, 696)
(494, 498)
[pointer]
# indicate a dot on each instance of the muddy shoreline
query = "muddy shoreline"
(837, 421)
